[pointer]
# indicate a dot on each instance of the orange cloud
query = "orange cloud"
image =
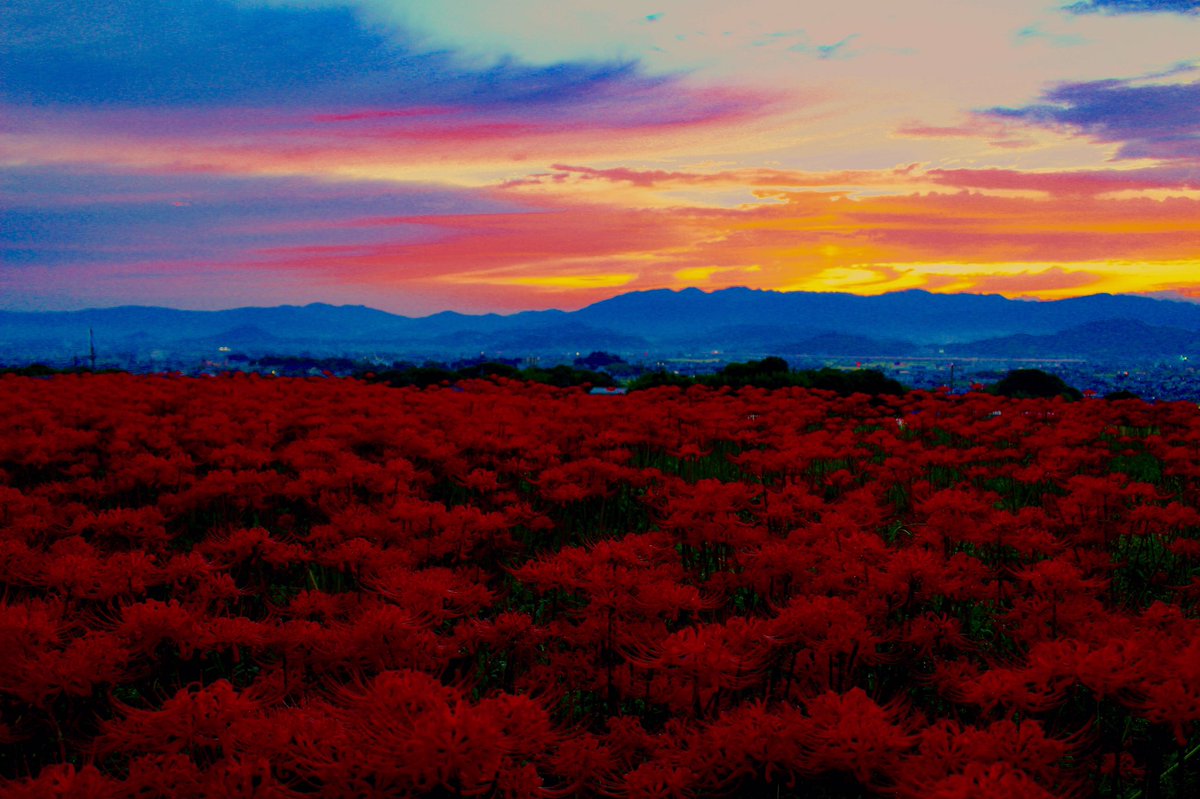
(574, 252)
(1053, 281)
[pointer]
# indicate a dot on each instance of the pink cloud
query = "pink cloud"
(1071, 183)
(650, 178)
(265, 140)
(998, 133)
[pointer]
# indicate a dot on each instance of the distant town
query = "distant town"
(1165, 380)
(1100, 345)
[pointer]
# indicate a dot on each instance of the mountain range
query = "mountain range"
(736, 321)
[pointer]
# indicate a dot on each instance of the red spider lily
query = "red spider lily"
(948, 676)
(1003, 755)
(318, 606)
(1154, 519)
(935, 635)
(403, 732)
(236, 634)
(638, 575)
(707, 660)
(1010, 690)
(164, 775)
(437, 594)
(1187, 549)
(1060, 599)
(581, 760)
(303, 539)
(353, 555)
(243, 778)
(1115, 669)
(831, 635)
(851, 733)
(845, 555)
(185, 568)
(145, 474)
(955, 516)
(790, 505)
(142, 528)
(653, 780)
(466, 534)
(47, 655)
(76, 670)
(506, 630)
(196, 720)
(254, 545)
(378, 637)
(924, 574)
(1086, 513)
(357, 521)
(1029, 534)
(1026, 746)
(1172, 698)
(1121, 764)
(64, 782)
(27, 518)
(942, 748)
(631, 589)
(143, 626)
(708, 513)
(997, 780)
(581, 479)
(224, 493)
(218, 590)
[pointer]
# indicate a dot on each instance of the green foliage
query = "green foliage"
(598, 360)
(562, 375)
(489, 369)
(845, 383)
(770, 372)
(1142, 466)
(1034, 384)
(661, 378)
(42, 370)
(302, 364)
(565, 376)
(773, 372)
(34, 370)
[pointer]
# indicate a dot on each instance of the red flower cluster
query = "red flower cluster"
(249, 587)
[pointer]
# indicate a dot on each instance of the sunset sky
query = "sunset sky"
(500, 155)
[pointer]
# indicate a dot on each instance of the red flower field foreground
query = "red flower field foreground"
(248, 587)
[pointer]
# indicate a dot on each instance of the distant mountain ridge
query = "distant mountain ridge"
(735, 320)
(1117, 338)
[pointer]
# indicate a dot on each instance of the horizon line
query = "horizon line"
(1155, 296)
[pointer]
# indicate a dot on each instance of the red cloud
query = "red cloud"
(1076, 183)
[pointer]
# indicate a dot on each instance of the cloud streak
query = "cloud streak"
(1147, 121)
(660, 178)
(1135, 7)
(1080, 183)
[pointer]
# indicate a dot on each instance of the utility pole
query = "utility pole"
(92, 348)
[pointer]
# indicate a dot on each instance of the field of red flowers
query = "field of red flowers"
(246, 587)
